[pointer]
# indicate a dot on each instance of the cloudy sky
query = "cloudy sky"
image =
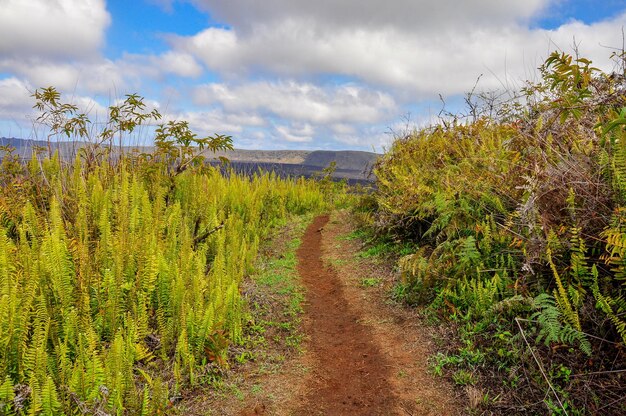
(288, 74)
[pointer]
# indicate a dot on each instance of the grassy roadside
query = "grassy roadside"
(452, 356)
(404, 335)
(508, 225)
(272, 335)
(474, 359)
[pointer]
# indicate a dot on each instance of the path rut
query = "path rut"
(350, 375)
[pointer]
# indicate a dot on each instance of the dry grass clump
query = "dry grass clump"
(523, 206)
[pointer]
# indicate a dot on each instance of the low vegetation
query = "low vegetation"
(120, 273)
(514, 215)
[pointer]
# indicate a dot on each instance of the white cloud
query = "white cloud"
(101, 76)
(93, 109)
(411, 15)
(442, 52)
(247, 119)
(52, 28)
(216, 121)
(58, 43)
(296, 133)
(137, 66)
(370, 138)
(15, 100)
(16, 103)
(180, 64)
(596, 41)
(301, 101)
(398, 54)
(98, 76)
(291, 73)
(343, 128)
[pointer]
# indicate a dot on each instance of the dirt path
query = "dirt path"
(363, 354)
(350, 375)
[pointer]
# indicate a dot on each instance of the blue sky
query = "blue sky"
(287, 74)
(141, 26)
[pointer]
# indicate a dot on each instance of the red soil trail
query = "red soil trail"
(350, 376)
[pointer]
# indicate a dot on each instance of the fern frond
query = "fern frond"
(561, 296)
(551, 329)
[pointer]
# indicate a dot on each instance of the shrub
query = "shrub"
(526, 204)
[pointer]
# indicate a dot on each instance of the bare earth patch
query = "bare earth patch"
(349, 374)
(402, 339)
(362, 354)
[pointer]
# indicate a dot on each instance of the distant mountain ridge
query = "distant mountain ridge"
(21, 143)
(345, 159)
(350, 164)
(24, 147)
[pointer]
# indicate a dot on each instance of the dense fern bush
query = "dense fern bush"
(119, 280)
(520, 213)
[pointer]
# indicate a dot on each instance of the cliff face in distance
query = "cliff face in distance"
(350, 164)
(354, 166)
(345, 159)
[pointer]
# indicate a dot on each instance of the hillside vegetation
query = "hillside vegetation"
(354, 166)
(119, 277)
(511, 223)
(120, 270)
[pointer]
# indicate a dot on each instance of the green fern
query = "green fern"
(105, 268)
(551, 328)
(562, 297)
(6, 396)
(50, 404)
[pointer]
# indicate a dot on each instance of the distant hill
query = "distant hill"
(21, 144)
(345, 159)
(352, 165)
(24, 147)
(262, 156)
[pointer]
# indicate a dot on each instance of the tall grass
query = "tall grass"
(519, 214)
(119, 278)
